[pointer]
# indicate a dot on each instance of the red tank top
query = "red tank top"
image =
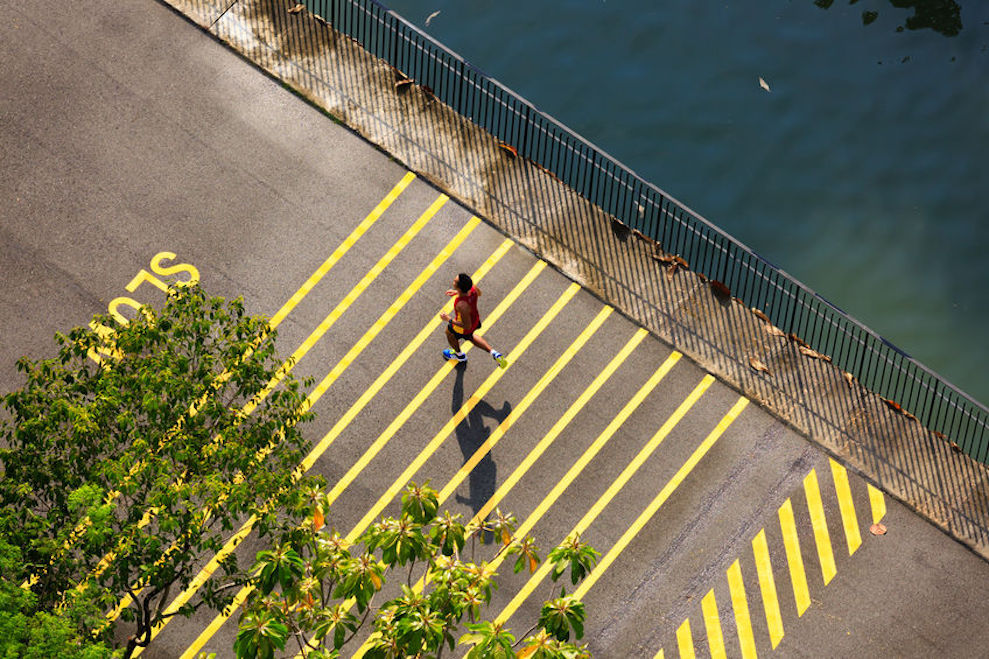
(471, 298)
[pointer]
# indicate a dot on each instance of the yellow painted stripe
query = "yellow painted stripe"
(794, 559)
(348, 300)
(820, 524)
(574, 471)
(605, 498)
(341, 366)
(438, 439)
(554, 432)
(275, 320)
(665, 493)
(712, 623)
(355, 350)
(447, 367)
(685, 641)
(853, 537)
(743, 624)
(659, 655)
(307, 345)
(338, 253)
(524, 404)
(391, 312)
(460, 415)
(767, 585)
(359, 405)
(561, 424)
(878, 504)
(389, 372)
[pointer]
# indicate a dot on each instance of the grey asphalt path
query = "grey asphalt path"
(125, 132)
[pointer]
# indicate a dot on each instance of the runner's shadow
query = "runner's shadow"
(471, 435)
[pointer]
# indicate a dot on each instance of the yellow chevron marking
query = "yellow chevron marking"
(741, 606)
(798, 577)
(685, 641)
(878, 504)
(820, 524)
(712, 622)
(770, 600)
(853, 537)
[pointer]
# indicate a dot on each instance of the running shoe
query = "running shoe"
(450, 354)
(500, 358)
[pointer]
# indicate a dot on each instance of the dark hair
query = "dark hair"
(464, 282)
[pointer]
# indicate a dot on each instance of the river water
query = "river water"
(863, 170)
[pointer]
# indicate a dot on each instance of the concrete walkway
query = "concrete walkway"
(126, 131)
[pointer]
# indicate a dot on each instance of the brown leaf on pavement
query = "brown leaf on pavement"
(760, 315)
(508, 148)
(849, 378)
(721, 291)
(877, 529)
(813, 354)
(758, 366)
(296, 9)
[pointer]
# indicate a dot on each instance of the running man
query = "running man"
(465, 321)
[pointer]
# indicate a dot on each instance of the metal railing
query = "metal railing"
(877, 364)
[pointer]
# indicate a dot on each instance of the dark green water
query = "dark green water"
(864, 172)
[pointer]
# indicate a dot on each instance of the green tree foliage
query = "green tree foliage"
(120, 474)
(29, 633)
(315, 593)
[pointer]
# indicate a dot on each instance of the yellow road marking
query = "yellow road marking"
(460, 415)
(612, 490)
(712, 623)
(659, 655)
(391, 312)
(557, 428)
(794, 559)
(275, 320)
(561, 425)
(316, 335)
(743, 624)
(853, 537)
(668, 489)
(878, 504)
(311, 340)
(447, 367)
(387, 374)
(349, 299)
(767, 585)
(524, 404)
(820, 524)
(342, 249)
(341, 366)
(685, 641)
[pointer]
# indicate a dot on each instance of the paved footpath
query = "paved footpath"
(126, 132)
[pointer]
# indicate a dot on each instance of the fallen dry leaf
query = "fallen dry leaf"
(813, 354)
(721, 291)
(764, 85)
(431, 17)
(759, 314)
(796, 339)
(758, 365)
(893, 405)
(511, 150)
(296, 9)
(877, 529)
(849, 378)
